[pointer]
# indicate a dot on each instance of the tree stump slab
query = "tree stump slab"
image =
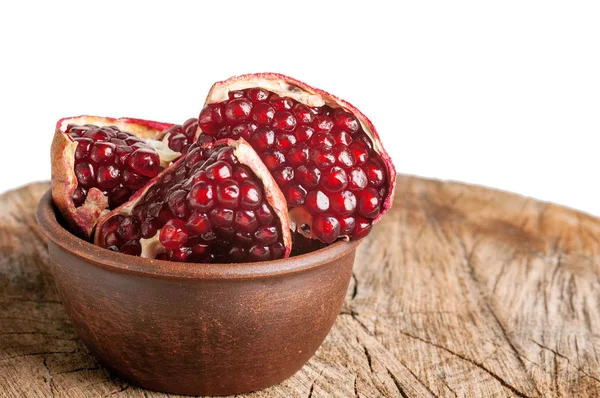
(460, 291)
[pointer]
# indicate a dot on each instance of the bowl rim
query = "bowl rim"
(98, 256)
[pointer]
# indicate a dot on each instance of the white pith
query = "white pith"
(151, 247)
(276, 86)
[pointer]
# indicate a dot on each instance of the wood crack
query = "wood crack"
(50, 378)
(503, 382)
(567, 359)
(468, 260)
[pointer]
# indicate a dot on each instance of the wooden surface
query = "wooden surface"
(459, 291)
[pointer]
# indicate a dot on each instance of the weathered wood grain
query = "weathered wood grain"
(460, 291)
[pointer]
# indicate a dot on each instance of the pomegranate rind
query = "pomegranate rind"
(286, 86)
(246, 155)
(83, 219)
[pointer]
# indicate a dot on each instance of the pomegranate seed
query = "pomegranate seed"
(343, 156)
(198, 223)
(190, 127)
(295, 195)
(103, 152)
(176, 203)
(118, 196)
(316, 202)
(144, 162)
(266, 235)
(345, 120)
(273, 160)
(107, 177)
(298, 155)
(303, 133)
(284, 121)
(218, 171)
(148, 229)
(221, 217)
(322, 158)
(238, 110)
(133, 248)
(83, 147)
(359, 151)
(262, 139)
(347, 225)
(112, 240)
(342, 138)
(334, 179)
(241, 173)
(357, 179)
(263, 113)
(133, 180)
(257, 94)
(243, 238)
(303, 114)
(236, 94)
(326, 228)
(173, 234)
(180, 254)
(308, 176)
(264, 214)
(129, 229)
(323, 123)
(250, 195)
(97, 134)
(84, 172)
(280, 103)
(79, 196)
(228, 193)
(210, 119)
(368, 203)
(343, 203)
(178, 142)
(245, 221)
(259, 253)
(374, 173)
(362, 228)
(122, 153)
(285, 141)
(283, 176)
(322, 140)
(202, 196)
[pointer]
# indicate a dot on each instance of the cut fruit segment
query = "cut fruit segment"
(218, 203)
(99, 162)
(325, 154)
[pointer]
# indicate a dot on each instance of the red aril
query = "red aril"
(325, 154)
(218, 203)
(98, 163)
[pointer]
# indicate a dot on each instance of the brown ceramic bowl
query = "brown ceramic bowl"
(202, 329)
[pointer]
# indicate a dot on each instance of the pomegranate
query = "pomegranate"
(324, 154)
(218, 203)
(97, 163)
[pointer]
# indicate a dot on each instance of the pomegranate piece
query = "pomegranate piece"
(218, 203)
(325, 154)
(98, 163)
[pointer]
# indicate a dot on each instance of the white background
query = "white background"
(503, 94)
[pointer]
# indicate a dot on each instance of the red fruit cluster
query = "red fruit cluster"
(207, 207)
(116, 162)
(321, 157)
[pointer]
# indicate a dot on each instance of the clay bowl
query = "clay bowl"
(199, 329)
